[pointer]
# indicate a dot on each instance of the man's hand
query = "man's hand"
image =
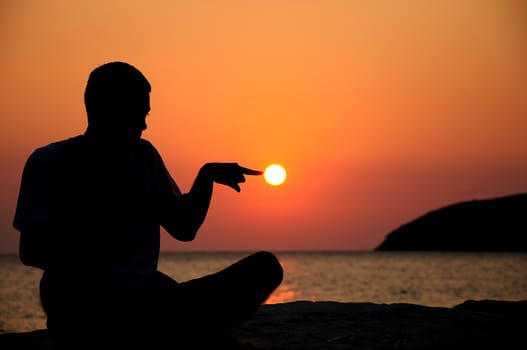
(229, 174)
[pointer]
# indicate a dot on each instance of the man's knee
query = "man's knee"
(270, 267)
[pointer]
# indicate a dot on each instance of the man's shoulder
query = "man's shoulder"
(148, 147)
(145, 143)
(57, 149)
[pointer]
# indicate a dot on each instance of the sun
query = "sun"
(275, 174)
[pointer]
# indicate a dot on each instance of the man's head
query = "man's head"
(117, 100)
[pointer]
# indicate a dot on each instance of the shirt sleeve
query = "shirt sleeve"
(34, 206)
(167, 184)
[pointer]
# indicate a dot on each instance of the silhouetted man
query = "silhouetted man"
(89, 213)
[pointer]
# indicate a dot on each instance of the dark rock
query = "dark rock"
(498, 224)
(38, 339)
(486, 324)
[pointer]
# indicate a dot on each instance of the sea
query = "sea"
(441, 279)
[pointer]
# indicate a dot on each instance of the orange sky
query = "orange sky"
(379, 110)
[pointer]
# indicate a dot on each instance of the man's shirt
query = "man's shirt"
(101, 207)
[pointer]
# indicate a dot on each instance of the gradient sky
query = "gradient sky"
(380, 110)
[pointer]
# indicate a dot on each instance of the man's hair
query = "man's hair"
(111, 87)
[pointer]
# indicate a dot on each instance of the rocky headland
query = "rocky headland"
(495, 224)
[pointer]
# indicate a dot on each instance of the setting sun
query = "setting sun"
(275, 174)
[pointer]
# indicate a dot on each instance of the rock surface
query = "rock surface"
(330, 325)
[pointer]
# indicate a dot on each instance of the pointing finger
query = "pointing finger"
(248, 171)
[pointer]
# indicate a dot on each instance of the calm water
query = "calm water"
(433, 279)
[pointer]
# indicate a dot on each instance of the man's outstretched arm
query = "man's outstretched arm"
(194, 205)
